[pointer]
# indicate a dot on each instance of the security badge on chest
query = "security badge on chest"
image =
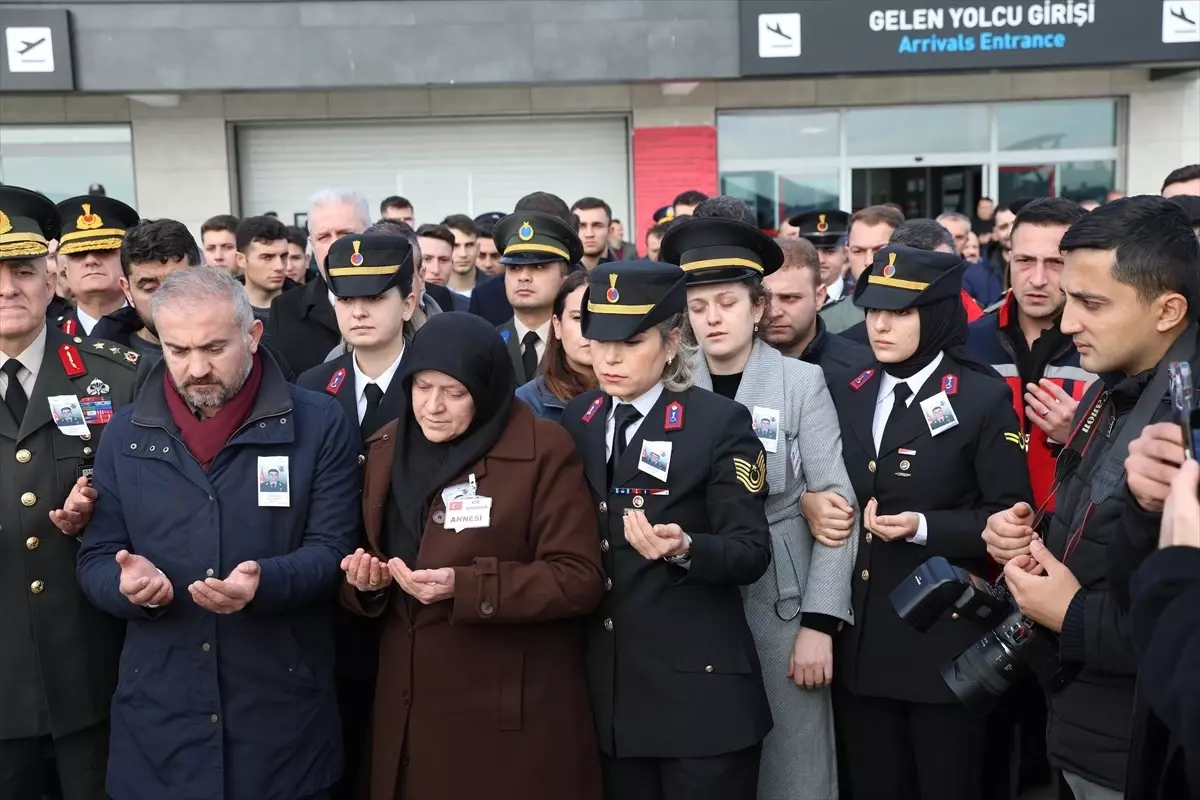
(465, 508)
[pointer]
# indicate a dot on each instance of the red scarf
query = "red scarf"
(205, 437)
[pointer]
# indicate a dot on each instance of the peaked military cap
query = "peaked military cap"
(824, 228)
(664, 214)
(531, 237)
(625, 298)
(28, 221)
(719, 250)
(904, 277)
(487, 222)
(93, 222)
(367, 264)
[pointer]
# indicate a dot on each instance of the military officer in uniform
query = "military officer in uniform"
(89, 252)
(926, 488)
(371, 278)
(679, 481)
(58, 654)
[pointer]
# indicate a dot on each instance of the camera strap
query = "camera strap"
(1110, 475)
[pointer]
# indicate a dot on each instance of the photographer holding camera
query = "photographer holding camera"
(1132, 281)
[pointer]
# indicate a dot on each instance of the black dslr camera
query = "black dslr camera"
(1015, 647)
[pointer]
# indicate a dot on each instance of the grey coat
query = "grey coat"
(799, 759)
(842, 315)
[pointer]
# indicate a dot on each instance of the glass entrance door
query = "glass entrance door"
(919, 191)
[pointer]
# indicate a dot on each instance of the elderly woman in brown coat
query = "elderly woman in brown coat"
(482, 553)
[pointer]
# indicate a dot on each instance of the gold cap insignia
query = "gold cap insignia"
(822, 225)
(612, 295)
(87, 220)
(752, 476)
(525, 232)
(5, 224)
(357, 258)
(890, 269)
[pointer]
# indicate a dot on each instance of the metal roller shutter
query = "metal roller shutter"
(443, 167)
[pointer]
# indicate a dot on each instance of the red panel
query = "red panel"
(667, 161)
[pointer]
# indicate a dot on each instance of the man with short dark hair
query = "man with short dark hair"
(981, 223)
(150, 252)
(297, 257)
(868, 233)
(725, 207)
(464, 274)
(793, 327)
(1185, 180)
(437, 263)
(489, 300)
(262, 244)
(218, 238)
(685, 202)
(487, 258)
(595, 217)
(398, 208)
(537, 251)
(1132, 300)
(654, 237)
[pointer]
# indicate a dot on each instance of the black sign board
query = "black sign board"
(823, 37)
(35, 51)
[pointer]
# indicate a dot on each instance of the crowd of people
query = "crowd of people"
(877, 508)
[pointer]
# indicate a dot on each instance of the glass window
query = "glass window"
(1077, 180)
(1057, 124)
(775, 197)
(63, 161)
(810, 192)
(755, 189)
(776, 135)
(929, 129)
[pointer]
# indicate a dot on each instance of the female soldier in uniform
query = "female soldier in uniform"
(800, 603)
(926, 489)
(679, 481)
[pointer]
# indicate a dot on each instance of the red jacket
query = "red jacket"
(991, 339)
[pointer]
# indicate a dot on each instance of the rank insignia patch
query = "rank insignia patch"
(752, 476)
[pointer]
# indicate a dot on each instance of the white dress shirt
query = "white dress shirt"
(31, 360)
(543, 333)
(86, 320)
(383, 381)
(644, 404)
(834, 293)
(883, 409)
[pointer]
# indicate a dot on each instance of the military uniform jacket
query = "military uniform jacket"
(842, 314)
(302, 327)
(338, 379)
(58, 653)
(508, 332)
(672, 666)
(956, 479)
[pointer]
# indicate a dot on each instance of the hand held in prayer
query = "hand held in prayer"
(76, 512)
(654, 542)
(428, 586)
(890, 527)
(141, 582)
(365, 572)
(229, 595)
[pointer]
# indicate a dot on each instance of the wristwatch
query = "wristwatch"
(685, 555)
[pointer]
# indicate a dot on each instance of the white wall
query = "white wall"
(1164, 132)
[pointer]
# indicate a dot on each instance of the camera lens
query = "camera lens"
(982, 673)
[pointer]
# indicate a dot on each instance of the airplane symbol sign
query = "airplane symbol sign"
(778, 35)
(29, 49)
(1181, 21)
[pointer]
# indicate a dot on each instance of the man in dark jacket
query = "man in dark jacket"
(302, 326)
(1133, 295)
(490, 298)
(794, 327)
(225, 576)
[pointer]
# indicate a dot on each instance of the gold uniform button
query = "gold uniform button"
(608, 584)
(868, 538)
(32, 543)
(87, 451)
(708, 668)
(209, 572)
(604, 545)
(871, 467)
(28, 499)
(37, 587)
(954, 615)
(205, 647)
(213, 718)
(23, 456)
(603, 507)
(608, 626)
(866, 575)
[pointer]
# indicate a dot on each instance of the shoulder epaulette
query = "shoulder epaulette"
(109, 350)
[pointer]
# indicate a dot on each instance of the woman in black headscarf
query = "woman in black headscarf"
(481, 550)
(932, 447)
